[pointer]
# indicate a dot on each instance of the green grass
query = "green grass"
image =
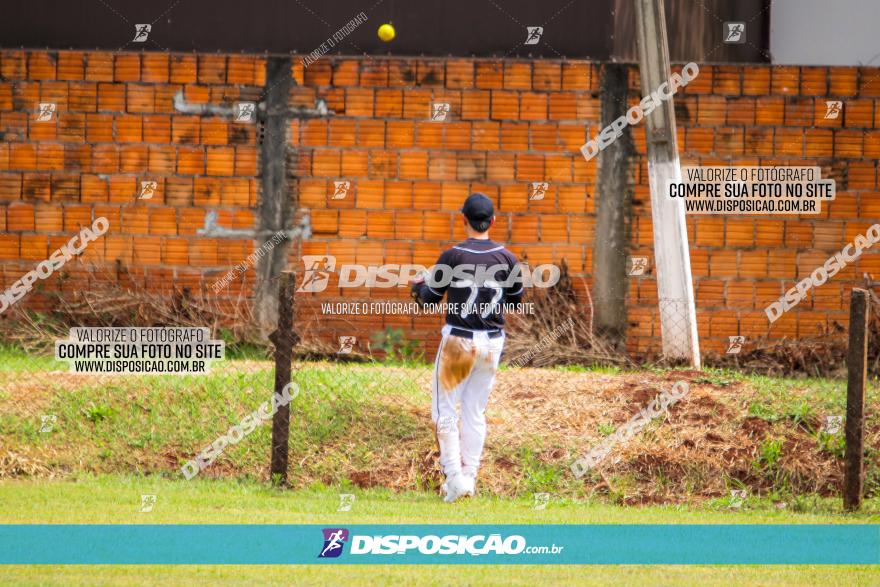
(116, 500)
(14, 359)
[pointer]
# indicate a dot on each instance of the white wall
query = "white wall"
(825, 32)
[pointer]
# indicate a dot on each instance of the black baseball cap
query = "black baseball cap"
(479, 211)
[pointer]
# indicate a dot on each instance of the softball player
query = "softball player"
(477, 276)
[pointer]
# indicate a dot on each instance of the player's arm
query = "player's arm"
(513, 290)
(429, 289)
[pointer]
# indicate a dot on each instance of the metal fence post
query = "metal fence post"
(284, 339)
(856, 365)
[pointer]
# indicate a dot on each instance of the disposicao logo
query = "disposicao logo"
(334, 540)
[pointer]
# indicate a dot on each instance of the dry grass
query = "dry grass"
(560, 331)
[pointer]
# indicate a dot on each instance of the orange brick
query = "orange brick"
(576, 75)
(221, 161)
(429, 72)
(727, 80)
(99, 128)
(529, 167)
(380, 224)
(501, 167)
(533, 106)
(214, 131)
(127, 68)
(563, 106)
(814, 81)
(872, 144)
(345, 72)
(457, 135)
(355, 163)
(42, 65)
(175, 251)
(371, 133)
(163, 221)
(105, 159)
(36, 186)
(20, 217)
(99, 66)
(352, 223)
(442, 166)
(417, 104)
(547, 76)
(505, 105)
(820, 143)
(179, 191)
(398, 194)
(241, 70)
(212, 69)
(869, 82)
(49, 218)
(141, 98)
(191, 161)
(408, 225)
(490, 75)
(203, 252)
(389, 103)
(13, 65)
(318, 73)
(459, 73)
(10, 246)
(475, 105)
(343, 133)
(799, 111)
(789, 141)
(471, 166)
(413, 165)
(514, 137)
(129, 129)
(22, 156)
(162, 159)
(843, 81)
(517, 75)
(326, 163)
(183, 69)
(370, 194)
(785, 80)
(487, 135)
(155, 67)
(358, 101)
(71, 65)
(325, 222)
(190, 220)
(848, 143)
(157, 129)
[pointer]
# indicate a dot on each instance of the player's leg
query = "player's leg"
(443, 414)
(474, 398)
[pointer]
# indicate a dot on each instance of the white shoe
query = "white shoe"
(469, 483)
(455, 487)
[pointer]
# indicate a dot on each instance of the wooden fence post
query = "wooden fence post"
(856, 365)
(284, 339)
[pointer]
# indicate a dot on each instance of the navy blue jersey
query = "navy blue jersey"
(477, 276)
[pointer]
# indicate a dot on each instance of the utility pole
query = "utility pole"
(675, 289)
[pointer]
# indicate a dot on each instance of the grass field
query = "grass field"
(364, 429)
(116, 499)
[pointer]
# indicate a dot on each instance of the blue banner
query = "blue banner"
(436, 544)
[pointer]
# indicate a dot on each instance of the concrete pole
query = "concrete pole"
(678, 316)
(275, 207)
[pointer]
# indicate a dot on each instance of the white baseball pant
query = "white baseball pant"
(462, 446)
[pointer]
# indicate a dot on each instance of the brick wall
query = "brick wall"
(512, 122)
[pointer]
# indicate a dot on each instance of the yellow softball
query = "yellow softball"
(386, 32)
